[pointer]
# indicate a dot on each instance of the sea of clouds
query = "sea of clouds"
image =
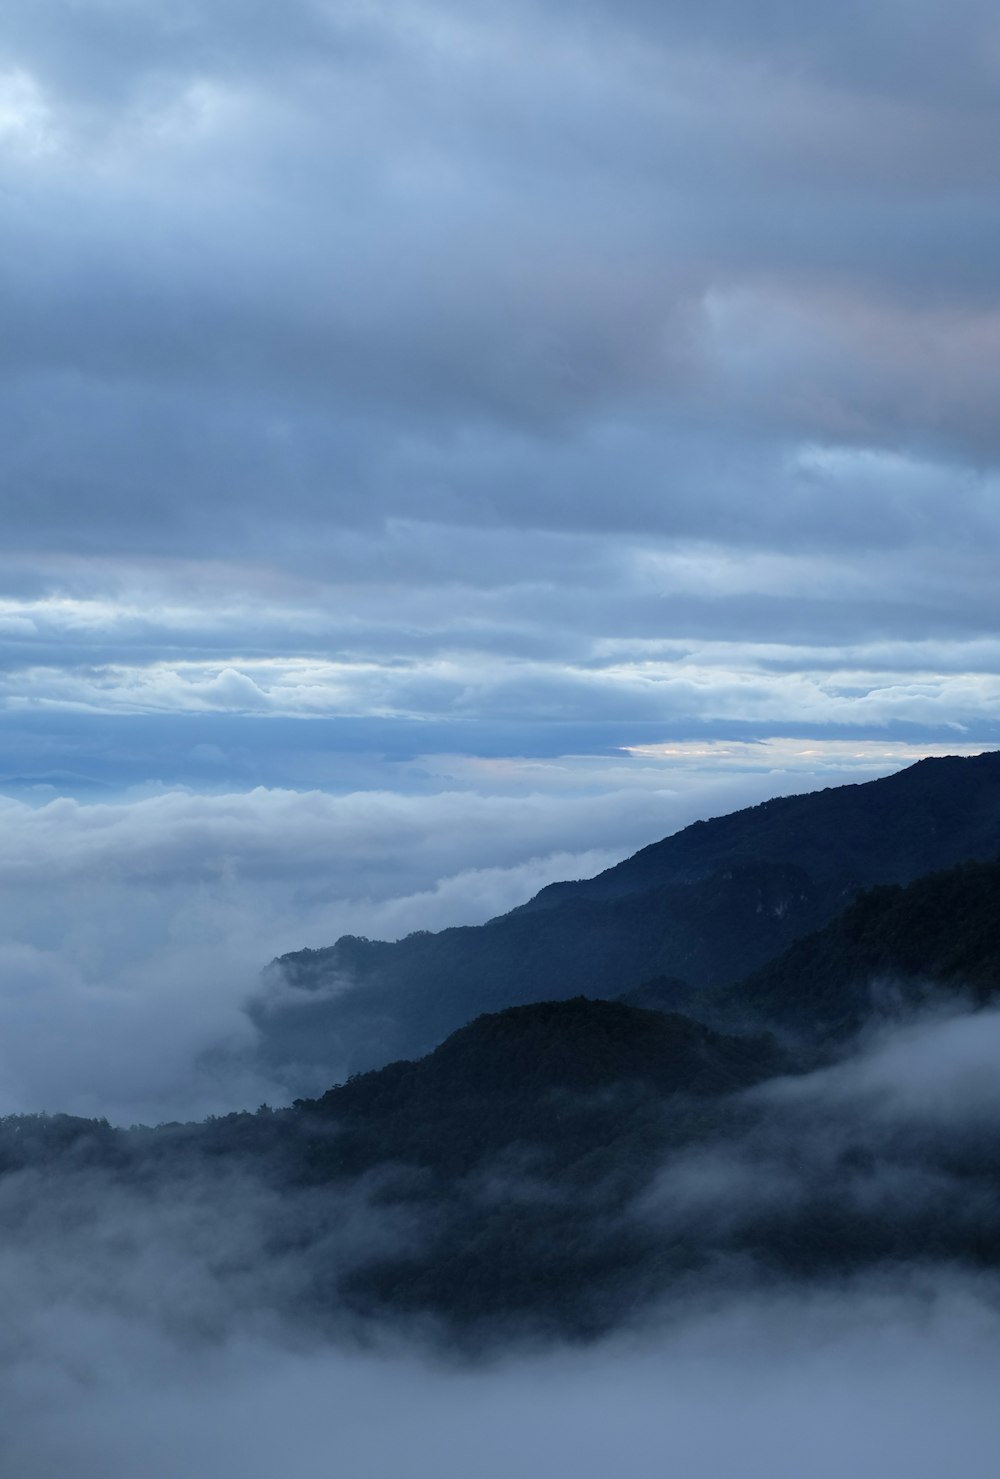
(133, 932)
(875, 1381)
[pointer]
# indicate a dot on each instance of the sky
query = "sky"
(540, 381)
(445, 447)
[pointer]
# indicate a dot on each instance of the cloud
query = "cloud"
(507, 305)
(420, 397)
(938, 1071)
(406, 336)
(877, 1159)
(167, 1332)
(828, 1382)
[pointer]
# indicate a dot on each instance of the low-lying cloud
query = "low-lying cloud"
(880, 1153)
(883, 1374)
(169, 1322)
(133, 933)
(938, 1071)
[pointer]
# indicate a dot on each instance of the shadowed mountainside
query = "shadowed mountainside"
(567, 1076)
(930, 816)
(704, 907)
(893, 948)
(508, 1156)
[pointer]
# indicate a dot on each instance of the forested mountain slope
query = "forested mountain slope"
(892, 949)
(704, 907)
(929, 816)
(391, 1000)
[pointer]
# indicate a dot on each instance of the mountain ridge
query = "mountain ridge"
(783, 829)
(704, 907)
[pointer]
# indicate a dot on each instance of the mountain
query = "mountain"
(705, 907)
(362, 1002)
(566, 1076)
(929, 816)
(490, 1179)
(893, 948)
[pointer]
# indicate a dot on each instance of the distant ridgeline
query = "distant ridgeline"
(671, 927)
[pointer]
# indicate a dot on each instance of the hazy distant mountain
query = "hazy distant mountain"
(706, 907)
(391, 1000)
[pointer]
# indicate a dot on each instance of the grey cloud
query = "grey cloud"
(882, 1149)
(364, 303)
(890, 48)
(98, 54)
(447, 296)
(847, 1380)
(936, 1072)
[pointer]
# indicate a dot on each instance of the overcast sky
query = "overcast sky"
(527, 380)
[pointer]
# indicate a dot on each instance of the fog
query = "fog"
(170, 1327)
(893, 1137)
(132, 934)
(892, 1379)
(937, 1070)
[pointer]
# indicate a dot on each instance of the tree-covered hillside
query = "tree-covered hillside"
(891, 948)
(704, 907)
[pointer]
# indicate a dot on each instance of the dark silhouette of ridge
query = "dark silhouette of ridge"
(706, 907)
(893, 949)
(541, 1074)
(933, 814)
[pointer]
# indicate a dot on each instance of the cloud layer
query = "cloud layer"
(408, 360)
(828, 1385)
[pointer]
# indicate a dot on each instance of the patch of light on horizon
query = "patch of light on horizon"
(777, 753)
